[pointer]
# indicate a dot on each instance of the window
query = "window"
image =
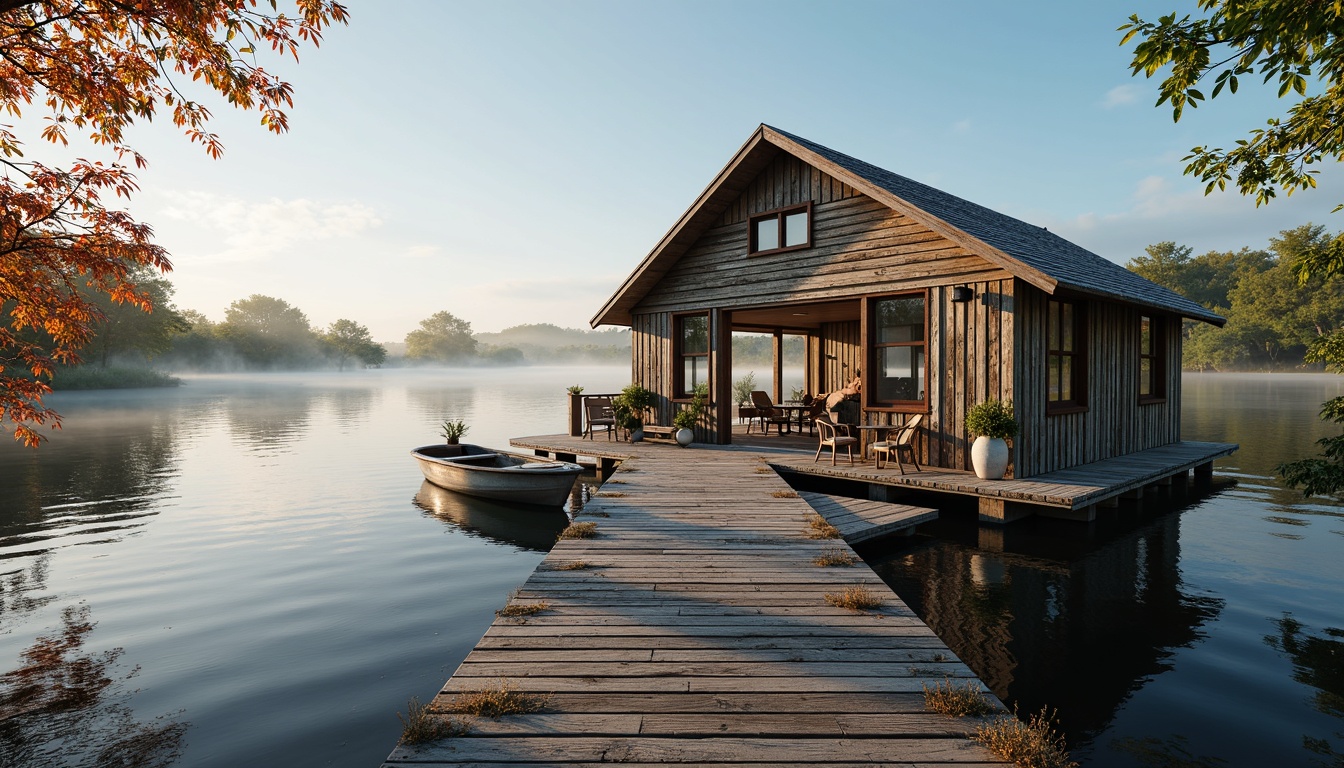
(1152, 359)
(784, 229)
(693, 348)
(897, 373)
(1065, 357)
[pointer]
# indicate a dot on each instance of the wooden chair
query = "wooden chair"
(829, 435)
(816, 408)
(599, 414)
(904, 442)
(767, 413)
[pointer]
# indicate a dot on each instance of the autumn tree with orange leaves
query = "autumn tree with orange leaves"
(92, 68)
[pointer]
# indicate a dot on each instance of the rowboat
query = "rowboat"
(489, 474)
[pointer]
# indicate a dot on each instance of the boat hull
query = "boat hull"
(487, 474)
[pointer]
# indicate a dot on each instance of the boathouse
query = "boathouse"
(940, 303)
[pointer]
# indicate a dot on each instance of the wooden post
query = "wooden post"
(575, 415)
(604, 468)
(1204, 471)
(999, 511)
(778, 365)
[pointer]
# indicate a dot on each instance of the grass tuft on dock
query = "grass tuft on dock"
(856, 599)
(513, 610)
(834, 557)
(785, 494)
(610, 494)
(574, 565)
(958, 701)
(1033, 744)
(818, 528)
(584, 530)
(420, 726)
(498, 701)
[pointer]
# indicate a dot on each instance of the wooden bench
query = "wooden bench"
(659, 431)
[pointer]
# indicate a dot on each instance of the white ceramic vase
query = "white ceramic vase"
(684, 436)
(989, 456)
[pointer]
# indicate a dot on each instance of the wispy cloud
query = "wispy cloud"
(231, 229)
(1120, 96)
(1177, 210)
(961, 127)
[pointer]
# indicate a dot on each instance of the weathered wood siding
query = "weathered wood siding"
(969, 360)
(1114, 422)
(652, 365)
(859, 247)
(841, 355)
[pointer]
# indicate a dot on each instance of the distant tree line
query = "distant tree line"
(1273, 314)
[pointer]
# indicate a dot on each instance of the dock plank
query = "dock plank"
(700, 634)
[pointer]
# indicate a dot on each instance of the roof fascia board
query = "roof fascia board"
(645, 266)
(972, 244)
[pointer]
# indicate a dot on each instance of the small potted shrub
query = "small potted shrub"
(574, 395)
(452, 430)
(628, 409)
(742, 389)
(685, 419)
(993, 421)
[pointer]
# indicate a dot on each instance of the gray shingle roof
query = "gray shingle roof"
(1071, 265)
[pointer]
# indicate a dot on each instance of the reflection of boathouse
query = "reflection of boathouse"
(1079, 634)
(939, 302)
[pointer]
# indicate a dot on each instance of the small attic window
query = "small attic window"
(783, 229)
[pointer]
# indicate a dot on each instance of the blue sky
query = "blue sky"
(511, 162)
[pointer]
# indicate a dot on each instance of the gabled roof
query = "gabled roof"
(1031, 253)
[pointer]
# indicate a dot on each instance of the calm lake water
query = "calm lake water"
(248, 571)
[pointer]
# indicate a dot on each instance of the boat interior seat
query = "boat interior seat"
(473, 458)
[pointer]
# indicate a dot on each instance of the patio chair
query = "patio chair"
(767, 413)
(599, 414)
(816, 408)
(903, 442)
(829, 435)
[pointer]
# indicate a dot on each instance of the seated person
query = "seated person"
(843, 403)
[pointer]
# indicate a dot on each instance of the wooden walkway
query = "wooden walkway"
(1073, 493)
(698, 632)
(861, 520)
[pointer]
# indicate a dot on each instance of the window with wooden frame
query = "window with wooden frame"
(692, 353)
(898, 371)
(1152, 359)
(1066, 357)
(783, 229)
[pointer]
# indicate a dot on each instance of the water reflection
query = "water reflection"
(1073, 617)
(1318, 661)
(517, 525)
(84, 488)
(66, 707)
(270, 420)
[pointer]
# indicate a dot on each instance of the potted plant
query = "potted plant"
(993, 421)
(742, 389)
(685, 419)
(575, 398)
(628, 409)
(453, 430)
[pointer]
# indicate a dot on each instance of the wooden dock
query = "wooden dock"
(699, 632)
(1074, 493)
(861, 520)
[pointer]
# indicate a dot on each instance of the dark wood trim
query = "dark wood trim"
(1157, 336)
(679, 389)
(868, 340)
(779, 214)
(1078, 357)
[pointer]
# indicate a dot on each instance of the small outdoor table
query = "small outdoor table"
(879, 431)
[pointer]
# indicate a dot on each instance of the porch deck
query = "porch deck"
(1072, 493)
